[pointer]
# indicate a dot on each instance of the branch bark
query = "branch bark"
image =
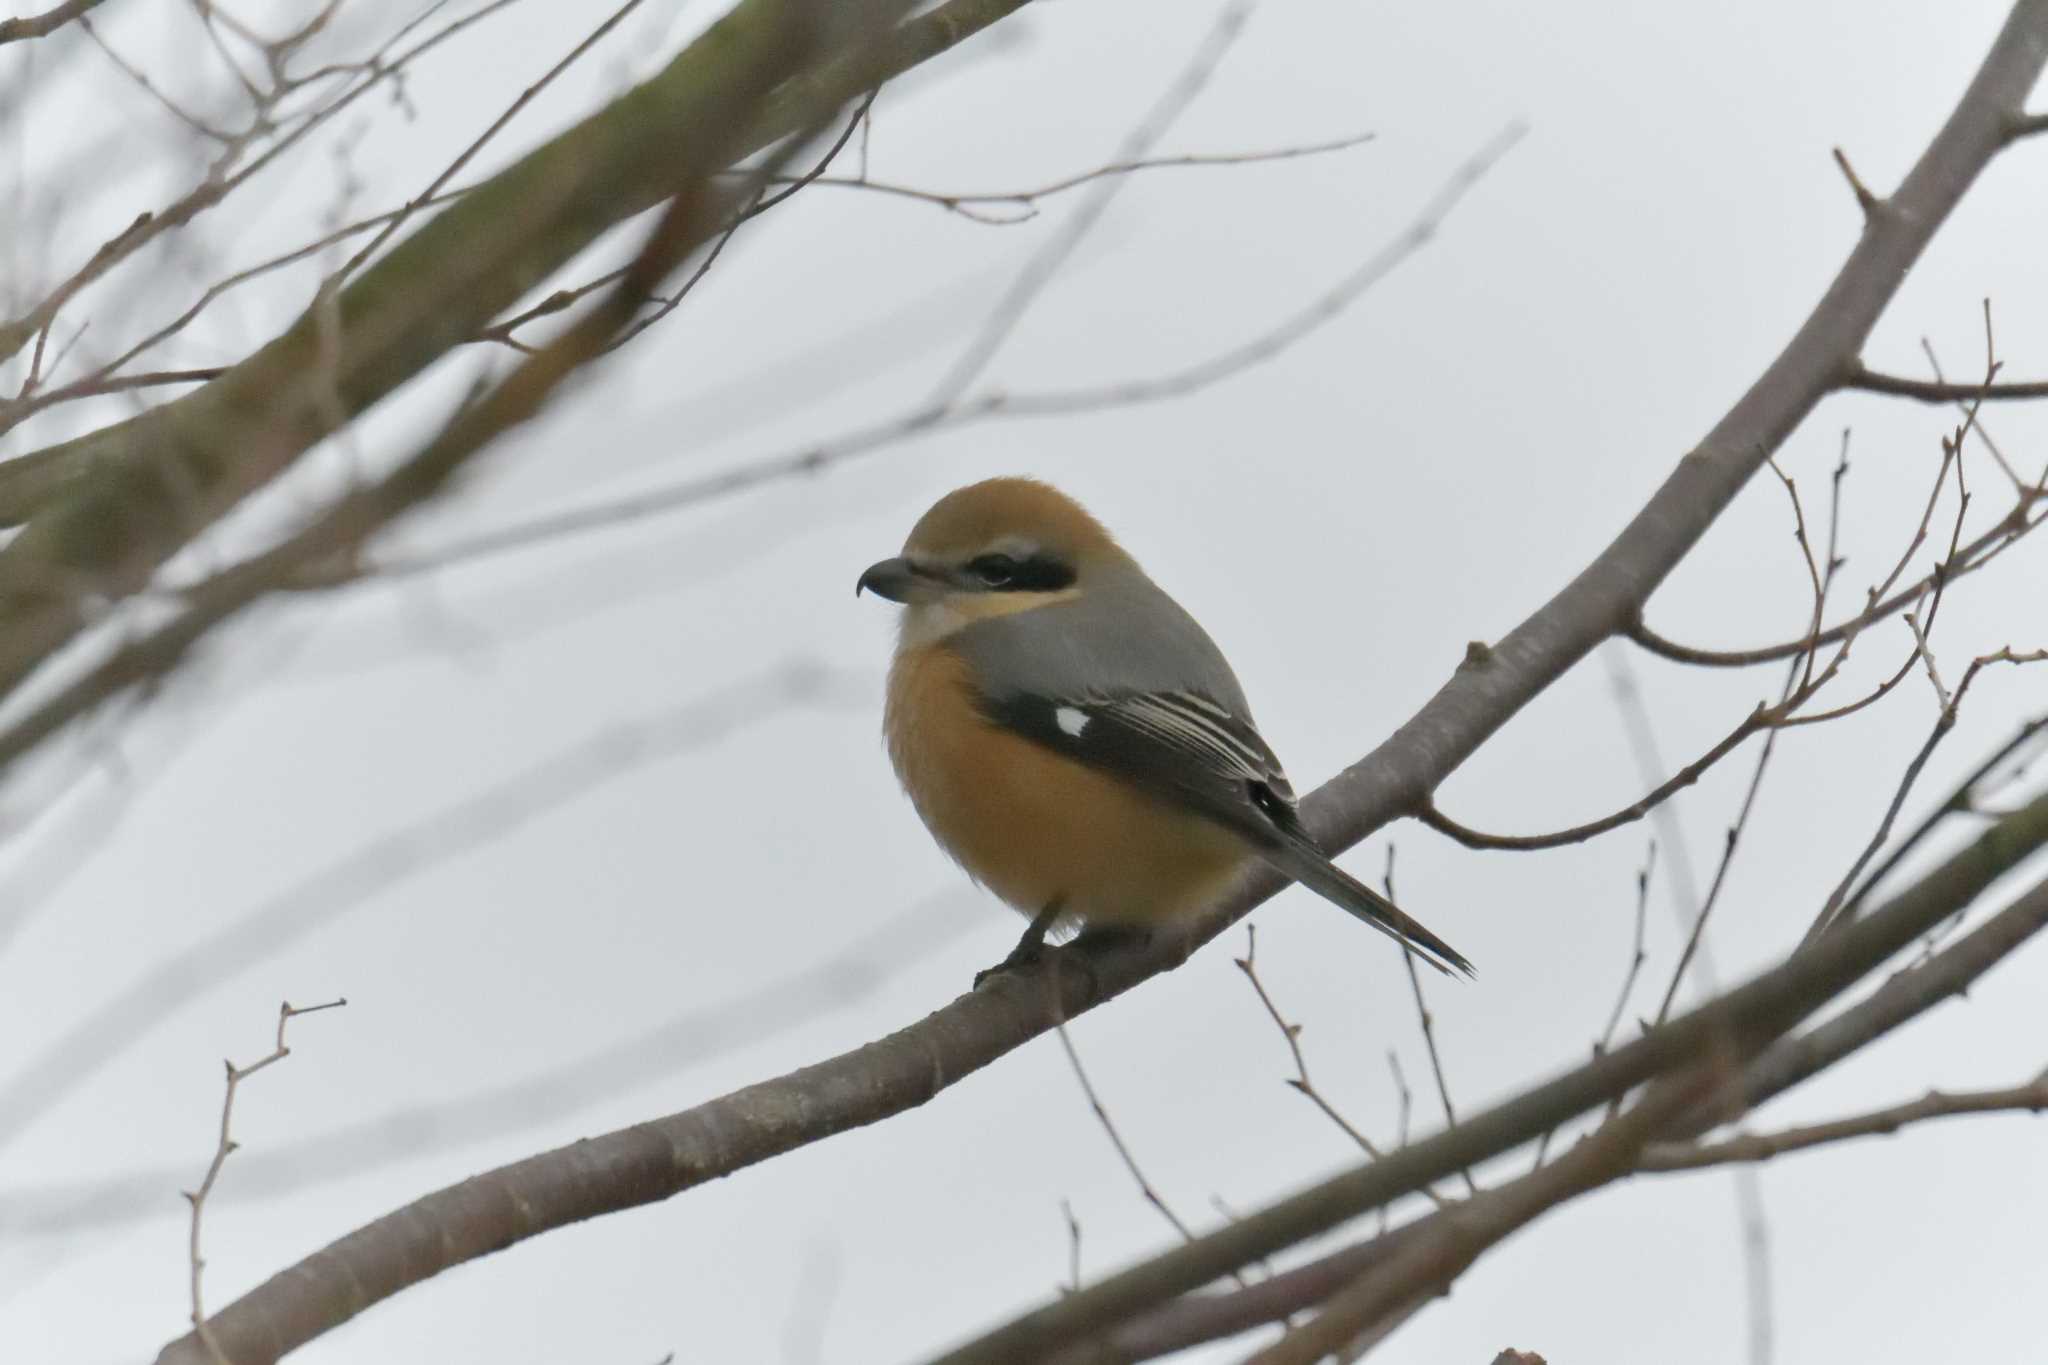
(1197, 1318)
(654, 1160)
(41, 25)
(2030, 1098)
(1730, 1027)
(106, 510)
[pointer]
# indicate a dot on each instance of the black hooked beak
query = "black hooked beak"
(892, 578)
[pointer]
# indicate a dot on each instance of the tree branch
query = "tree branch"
(1730, 1026)
(2030, 1098)
(110, 507)
(654, 1160)
(49, 21)
(1197, 1318)
(1935, 391)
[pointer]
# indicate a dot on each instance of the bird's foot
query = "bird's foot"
(1030, 949)
(1022, 958)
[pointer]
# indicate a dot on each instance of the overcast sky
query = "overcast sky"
(641, 922)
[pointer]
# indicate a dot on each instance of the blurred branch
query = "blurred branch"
(356, 877)
(815, 457)
(1838, 902)
(1497, 681)
(1960, 801)
(773, 41)
(437, 187)
(1451, 1242)
(662, 1157)
(1200, 1317)
(657, 1159)
(226, 173)
(545, 1099)
(1009, 311)
(109, 508)
(49, 21)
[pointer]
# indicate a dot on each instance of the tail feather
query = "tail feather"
(1314, 870)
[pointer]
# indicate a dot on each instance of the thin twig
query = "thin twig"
(1116, 1140)
(1039, 271)
(1636, 954)
(223, 1149)
(1428, 1022)
(815, 458)
(2030, 1098)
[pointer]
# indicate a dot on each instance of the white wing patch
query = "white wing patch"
(1072, 720)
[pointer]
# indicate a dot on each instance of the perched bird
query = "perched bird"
(1073, 738)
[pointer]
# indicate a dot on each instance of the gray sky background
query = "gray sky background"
(1421, 473)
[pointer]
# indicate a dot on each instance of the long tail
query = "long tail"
(1314, 870)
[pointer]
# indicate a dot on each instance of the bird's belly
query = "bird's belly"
(1036, 827)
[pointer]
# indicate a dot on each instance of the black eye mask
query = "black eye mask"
(1005, 573)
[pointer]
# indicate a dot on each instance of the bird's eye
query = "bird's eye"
(997, 571)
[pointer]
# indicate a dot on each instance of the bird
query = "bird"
(1073, 738)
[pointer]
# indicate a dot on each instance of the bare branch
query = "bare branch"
(690, 1036)
(1290, 1033)
(1197, 1318)
(1427, 1022)
(41, 25)
(224, 1148)
(1027, 200)
(656, 1159)
(1968, 560)
(2030, 1098)
(357, 876)
(817, 457)
(1024, 290)
(1937, 391)
(1453, 1242)
(1758, 719)
(129, 496)
(1838, 903)
(1961, 800)
(1636, 954)
(1116, 1140)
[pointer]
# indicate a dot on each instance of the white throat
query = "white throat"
(927, 623)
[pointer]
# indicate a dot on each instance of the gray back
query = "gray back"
(1123, 634)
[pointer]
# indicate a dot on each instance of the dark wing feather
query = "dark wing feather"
(1192, 751)
(1181, 747)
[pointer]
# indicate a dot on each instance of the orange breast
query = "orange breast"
(1035, 827)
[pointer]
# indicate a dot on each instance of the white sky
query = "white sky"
(1422, 473)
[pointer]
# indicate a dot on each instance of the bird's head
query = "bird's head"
(990, 549)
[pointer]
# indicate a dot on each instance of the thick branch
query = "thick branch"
(1730, 1026)
(1197, 1318)
(110, 507)
(654, 1160)
(1453, 1241)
